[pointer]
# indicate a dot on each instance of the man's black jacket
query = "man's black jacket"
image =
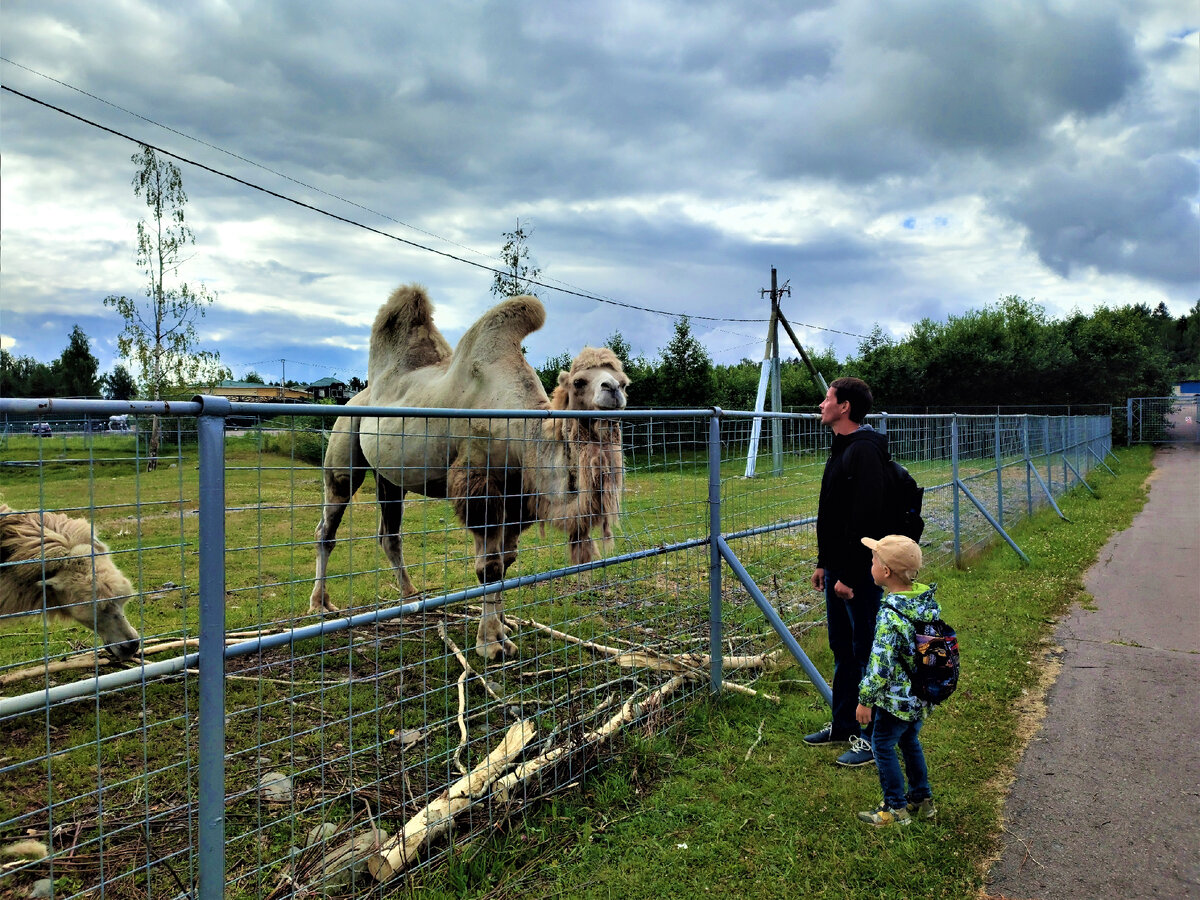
(851, 503)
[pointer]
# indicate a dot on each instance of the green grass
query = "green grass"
(327, 710)
(781, 822)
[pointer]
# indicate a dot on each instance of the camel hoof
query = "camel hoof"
(496, 651)
(492, 641)
(319, 604)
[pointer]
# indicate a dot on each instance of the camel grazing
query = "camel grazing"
(54, 563)
(501, 475)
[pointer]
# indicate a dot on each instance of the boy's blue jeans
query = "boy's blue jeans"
(890, 732)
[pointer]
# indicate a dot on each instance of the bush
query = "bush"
(300, 437)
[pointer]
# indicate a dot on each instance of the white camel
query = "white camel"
(501, 475)
(54, 563)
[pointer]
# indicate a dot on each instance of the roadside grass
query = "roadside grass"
(733, 804)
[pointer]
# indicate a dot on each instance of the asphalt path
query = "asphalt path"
(1106, 801)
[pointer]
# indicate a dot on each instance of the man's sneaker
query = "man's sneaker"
(881, 816)
(822, 737)
(922, 809)
(859, 754)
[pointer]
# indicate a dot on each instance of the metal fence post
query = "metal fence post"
(1048, 454)
(1028, 463)
(999, 476)
(954, 487)
(716, 675)
(1128, 421)
(210, 427)
(1062, 453)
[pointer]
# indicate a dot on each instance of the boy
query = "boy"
(885, 692)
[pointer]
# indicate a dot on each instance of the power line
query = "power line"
(300, 203)
(238, 156)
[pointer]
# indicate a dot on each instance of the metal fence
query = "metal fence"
(257, 749)
(1162, 420)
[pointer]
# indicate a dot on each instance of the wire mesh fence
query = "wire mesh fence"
(1163, 420)
(271, 737)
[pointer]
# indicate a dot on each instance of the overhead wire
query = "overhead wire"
(345, 220)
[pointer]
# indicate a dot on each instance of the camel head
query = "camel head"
(597, 380)
(70, 582)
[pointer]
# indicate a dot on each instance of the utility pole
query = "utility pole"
(771, 374)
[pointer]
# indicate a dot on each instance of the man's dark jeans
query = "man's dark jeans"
(851, 633)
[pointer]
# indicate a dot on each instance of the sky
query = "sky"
(894, 160)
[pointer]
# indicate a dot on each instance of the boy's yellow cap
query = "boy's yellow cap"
(899, 553)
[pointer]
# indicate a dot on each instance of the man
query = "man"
(850, 508)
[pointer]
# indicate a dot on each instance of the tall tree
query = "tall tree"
(75, 370)
(119, 384)
(617, 344)
(686, 370)
(160, 330)
(24, 376)
(515, 277)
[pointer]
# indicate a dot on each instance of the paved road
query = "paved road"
(1107, 797)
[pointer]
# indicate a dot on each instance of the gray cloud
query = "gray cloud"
(1126, 217)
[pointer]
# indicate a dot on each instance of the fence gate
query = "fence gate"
(1163, 420)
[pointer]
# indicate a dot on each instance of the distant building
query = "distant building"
(253, 392)
(329, 389)
(1187, 387)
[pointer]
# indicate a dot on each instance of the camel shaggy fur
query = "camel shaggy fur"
(54, 563)
(501, 475)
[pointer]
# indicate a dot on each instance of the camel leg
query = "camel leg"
(581, 547)
(341, 485)
(391, 537)
(492, 639)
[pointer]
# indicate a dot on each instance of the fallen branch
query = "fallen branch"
(756, 740)
(628, 712)
(462, 659)
(694, 666)
(438, 817)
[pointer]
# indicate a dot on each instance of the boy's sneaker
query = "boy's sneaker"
(859, 754)
(922, 809)
(881, 816)
(822, 737)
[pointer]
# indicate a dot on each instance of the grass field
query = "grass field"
(735, 805)
(370, 718)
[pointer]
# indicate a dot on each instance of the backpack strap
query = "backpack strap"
(903, 658)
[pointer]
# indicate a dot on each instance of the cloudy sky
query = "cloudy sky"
(893, 159)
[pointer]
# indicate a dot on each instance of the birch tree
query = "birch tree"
(159, 336)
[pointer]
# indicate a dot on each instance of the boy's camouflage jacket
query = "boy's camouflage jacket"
(885, 683)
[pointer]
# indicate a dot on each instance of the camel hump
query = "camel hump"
(404, 332)
(498, 333)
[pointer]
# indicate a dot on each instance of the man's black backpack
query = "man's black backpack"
(902, 501)
(933, 669)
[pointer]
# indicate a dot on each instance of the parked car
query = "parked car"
(41, 429)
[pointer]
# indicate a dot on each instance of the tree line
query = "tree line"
(1006, 354)
(1009, 353)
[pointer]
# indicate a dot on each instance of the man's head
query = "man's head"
(846, 404)
(894, 559)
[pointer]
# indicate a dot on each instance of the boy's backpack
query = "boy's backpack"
(902, 501)
(933, 670)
